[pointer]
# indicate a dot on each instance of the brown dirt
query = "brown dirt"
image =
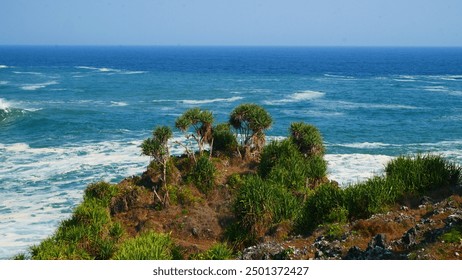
(199, 225)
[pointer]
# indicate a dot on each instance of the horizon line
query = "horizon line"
(228, 46)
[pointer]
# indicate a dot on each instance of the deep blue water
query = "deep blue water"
(73, 115)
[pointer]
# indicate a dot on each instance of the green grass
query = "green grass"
(421, 173)
(203, 175)
(454, 235)
(219, 251)
(261, 204)
(147, 246)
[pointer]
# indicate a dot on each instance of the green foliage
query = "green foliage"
(307, 138)
(224, 140)
(370, 197)
(324, 204)
(334, 231)
(157, 146)
(102, 192)
(259, 205)
(147, 246)
(219, 251)
(203, 174)
(250, 121)
(89, 233)
(422, 173)
(201, 121)
(281, 162)
(235, 180)
(454, 235)
(181, 195)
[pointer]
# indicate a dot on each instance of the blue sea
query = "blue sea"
(70, 116)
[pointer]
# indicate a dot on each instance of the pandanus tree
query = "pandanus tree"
(157, 149)
(250, 122)
(307, 138)
(201, 122)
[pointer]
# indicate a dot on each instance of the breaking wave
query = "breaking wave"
(297, 97)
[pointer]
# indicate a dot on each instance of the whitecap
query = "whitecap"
(118, 104)
(364, 145)
(207, 101)
(38, 86)
(4, 105)
(2, 66)
(2, 83)
(132, 72)
(28, 73)
(298, 97)
(436, 88)
(355, 105)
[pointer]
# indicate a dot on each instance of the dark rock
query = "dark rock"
(354, 253)
(409, 238)
(426, 200)
(454, 219)
(378, 241)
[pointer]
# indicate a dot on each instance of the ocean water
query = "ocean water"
(70, 116)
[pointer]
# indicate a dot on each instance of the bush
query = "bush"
(224, 141)
(259, 205)
(324, 204)
(307, 138)
(372, 196)
(282, 163)
(203, 174)
(219, 251)
(147, 246)
(102, 192)
(422, 173)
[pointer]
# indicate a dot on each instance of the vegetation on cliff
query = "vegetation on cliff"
(240, 193)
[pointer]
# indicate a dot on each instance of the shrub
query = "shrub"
(147, 246)
(372, 196)
(326, 202)
(281, 162)
(421, 173)
(181, 195)
(307, 138)
(224, 141)
(203, 174)
(102, 192)
(219, 251)
(259, 205)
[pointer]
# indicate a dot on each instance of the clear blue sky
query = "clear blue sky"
(232, 22)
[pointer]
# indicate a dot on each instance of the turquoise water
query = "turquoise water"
(70, 116)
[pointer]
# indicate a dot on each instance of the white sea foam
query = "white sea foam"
(348, 169)
(207, 101)
(38, 86)
(365, 145)
(298, 97)
(4, 105)
(28, 72)
(436, 88)
(110, 70)
(4, 83)
(118, 104)
(355, 105)
(42, 185)
(3, 66)
(341, 77)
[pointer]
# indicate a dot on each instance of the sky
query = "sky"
(232, 22)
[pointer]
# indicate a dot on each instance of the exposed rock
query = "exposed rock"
(265, 251)
(376, 250)
(409, 238)
(454, 219)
